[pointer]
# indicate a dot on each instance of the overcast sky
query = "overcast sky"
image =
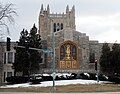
(99, 19)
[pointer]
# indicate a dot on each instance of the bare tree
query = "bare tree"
(7, 14)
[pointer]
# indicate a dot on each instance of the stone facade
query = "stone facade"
(1, 61)
(6, 60)
(72, 48)
(55, 22)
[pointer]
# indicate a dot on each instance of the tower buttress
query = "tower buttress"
(67, 9)
(41, 20)
(48, 9)
(41, 11)
(73, 9)
(67, 16)
(73, 17)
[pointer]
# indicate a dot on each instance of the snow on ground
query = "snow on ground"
(60, 82)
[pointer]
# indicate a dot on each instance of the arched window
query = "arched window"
(54, 27)
(61, 26)
(73, 51)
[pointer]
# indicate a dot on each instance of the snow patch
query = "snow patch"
(57, 83)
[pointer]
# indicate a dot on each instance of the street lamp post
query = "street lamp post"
(53, 60)
(53, 48)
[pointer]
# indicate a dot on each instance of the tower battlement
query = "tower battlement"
(68, 11)
(53, 22)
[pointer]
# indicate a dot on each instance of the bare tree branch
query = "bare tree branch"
(7, 13)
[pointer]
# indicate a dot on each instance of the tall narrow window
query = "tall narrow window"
(4, 58)
(61, 26)
(58, 27)
(54, 27)
(10, 57)
(62, 52)
(74, 52)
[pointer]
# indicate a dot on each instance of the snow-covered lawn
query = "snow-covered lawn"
(60, 82)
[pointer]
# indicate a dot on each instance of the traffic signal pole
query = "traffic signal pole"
(96, 68)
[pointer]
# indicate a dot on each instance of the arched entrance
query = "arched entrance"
(68, 56)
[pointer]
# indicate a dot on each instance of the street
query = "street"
(57, 93)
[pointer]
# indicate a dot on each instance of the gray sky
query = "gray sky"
(99, 19)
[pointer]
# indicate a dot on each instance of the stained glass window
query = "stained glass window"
(73, 51)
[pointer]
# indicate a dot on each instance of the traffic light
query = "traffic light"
(8, 44)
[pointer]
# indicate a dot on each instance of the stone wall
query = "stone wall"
(4, 68)
(2, 49)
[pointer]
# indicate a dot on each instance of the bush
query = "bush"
(35, 79)
(92, 76)
(73, 76)
(47, 77)
(17, 79)
(83, 76)
(65, 76)
(103, 77)
(114, 79)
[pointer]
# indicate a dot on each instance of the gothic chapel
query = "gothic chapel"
(74, 52)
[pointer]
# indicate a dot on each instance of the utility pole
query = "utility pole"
(53, 49)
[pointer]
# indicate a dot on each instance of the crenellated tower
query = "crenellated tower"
(73, 49)
(54, 22)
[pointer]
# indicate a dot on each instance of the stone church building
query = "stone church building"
(73, 49)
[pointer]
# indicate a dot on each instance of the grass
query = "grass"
(67, 89)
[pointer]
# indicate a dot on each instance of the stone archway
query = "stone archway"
(68, 56)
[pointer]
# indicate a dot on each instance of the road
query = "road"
(59, 93)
